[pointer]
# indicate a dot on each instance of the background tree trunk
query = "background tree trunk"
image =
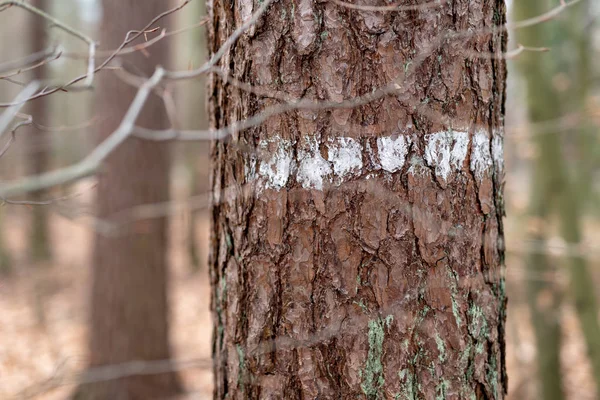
(357, 253)
(194, 157)
(38, 155)
(576, 187)
(5, 259)
(543, 295)
(129, 313)
(557, 186)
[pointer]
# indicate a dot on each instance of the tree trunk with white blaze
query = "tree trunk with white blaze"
(357, 252)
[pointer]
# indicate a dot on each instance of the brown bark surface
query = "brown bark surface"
(336, 277)
(129, 311)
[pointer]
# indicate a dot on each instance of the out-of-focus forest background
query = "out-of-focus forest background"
(552, 197)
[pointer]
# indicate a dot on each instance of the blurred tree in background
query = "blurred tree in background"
(38, 152)
(5, 259)
(192, 158)
(129, 311)
(557, 91)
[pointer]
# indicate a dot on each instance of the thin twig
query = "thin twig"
(230, 41)
(92, 162)
(135, 48)
(553, 13)
(391, 7)
(89, 77)
(9, 114)
(27, 60)
(13, 131)
(31, 67)
(114, 371)
(128, 40)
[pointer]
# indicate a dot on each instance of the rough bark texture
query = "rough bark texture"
(357, 253)
(129, 314)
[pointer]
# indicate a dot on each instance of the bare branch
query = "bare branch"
(555, 12)
(135, 48)
(230, 40)
(13, 131)
(92, 162)
(27, 60)
(391, 7)
(114, 371)
(128, 39)
(10, 113)
(31, 67)
(89, 77)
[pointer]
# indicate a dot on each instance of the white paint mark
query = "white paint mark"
(313, 167)
(276, 168)
(498, 151)
(459, 150)
(346, 156)
(446, 151)
(481, 159)
(392, 152)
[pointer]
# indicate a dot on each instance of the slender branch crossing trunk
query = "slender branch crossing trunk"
(357, 252)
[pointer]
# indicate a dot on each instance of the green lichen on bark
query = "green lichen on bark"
(241, 366)
(492, 374)
(372, 375)
(441, 347)
(407, 379)
(442, 389)
(478, 325)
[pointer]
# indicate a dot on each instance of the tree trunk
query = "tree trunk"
(558, 187)
(576, 193)
(358, 252)
(192, 53)
(38, 155)
(544, 296)
(5, 259)
(129, 313)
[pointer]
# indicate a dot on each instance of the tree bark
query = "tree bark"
(129, 311)
(357, 252)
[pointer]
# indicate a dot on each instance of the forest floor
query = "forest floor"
(43, 314)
